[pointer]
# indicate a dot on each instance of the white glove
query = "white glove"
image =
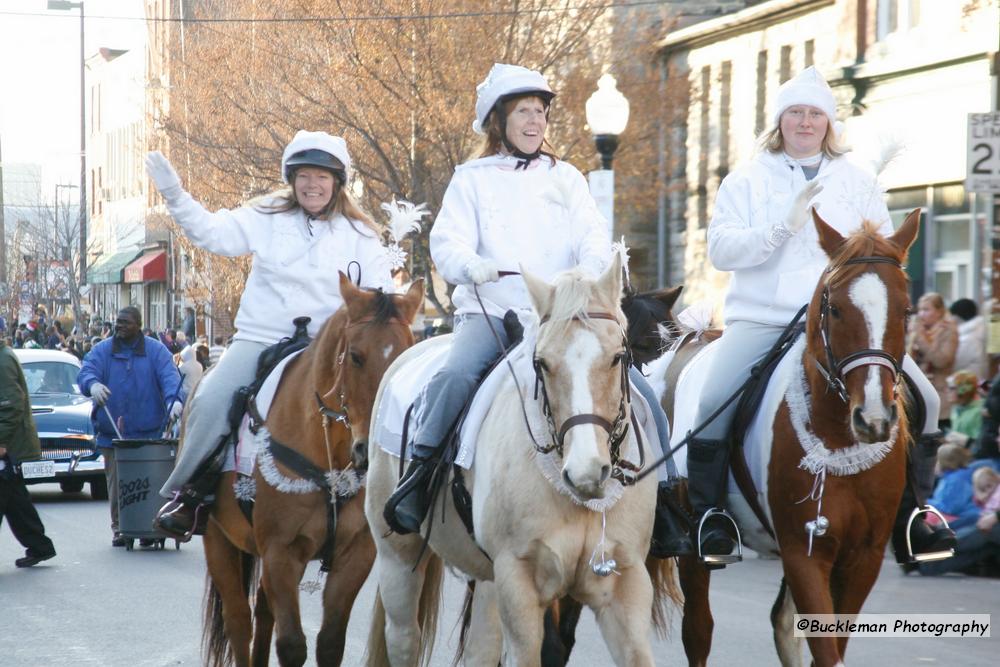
(164, 177)
(176, 409)
(482, 271)
(799, 214)
(99, 393)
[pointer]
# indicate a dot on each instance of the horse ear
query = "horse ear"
(830, 239)
(907, 232)
(353, 297)
(539, 291)
(667, 296)
(412, 300)
(611, 282)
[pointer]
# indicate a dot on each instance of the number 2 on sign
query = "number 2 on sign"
(978, 167)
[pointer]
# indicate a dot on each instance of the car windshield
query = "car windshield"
(51, 377)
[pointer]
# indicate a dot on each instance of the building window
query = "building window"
(896, 15)
(725, 95)
(761, 92)
(808, 51)
(785, 66)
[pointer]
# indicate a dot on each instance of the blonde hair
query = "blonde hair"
(773, 141)
(984, 475)
(492, 143)
(933, 299)
(952, 457)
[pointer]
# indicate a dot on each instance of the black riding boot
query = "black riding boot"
(408, 505)
(707, 471)
(928, 543)
(671, 525)
(187, 513)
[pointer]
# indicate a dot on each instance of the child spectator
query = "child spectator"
(966, 408)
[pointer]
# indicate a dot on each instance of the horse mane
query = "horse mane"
(383, 307)
(570, 299)
(865, 242)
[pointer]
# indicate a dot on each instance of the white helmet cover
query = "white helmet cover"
(304, 141)
(501, 81)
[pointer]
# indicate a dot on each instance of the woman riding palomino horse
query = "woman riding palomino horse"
(299, 240)
(515, 204)
(759, 233)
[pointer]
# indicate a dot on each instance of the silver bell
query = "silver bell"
(605, 568)
(822, 523)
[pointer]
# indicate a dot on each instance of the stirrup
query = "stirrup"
(930, 555)
(720, 560)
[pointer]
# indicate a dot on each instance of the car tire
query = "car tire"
(99, 489)
(71, 485)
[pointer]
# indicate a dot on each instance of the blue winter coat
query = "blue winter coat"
(143, 381)
(953, 495)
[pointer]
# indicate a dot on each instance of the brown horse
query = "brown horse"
(342, 366)
(838, 457)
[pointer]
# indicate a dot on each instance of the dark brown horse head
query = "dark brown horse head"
(857, 323)
(376, 331)
(646, 313)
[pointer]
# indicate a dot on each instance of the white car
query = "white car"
(62, 415)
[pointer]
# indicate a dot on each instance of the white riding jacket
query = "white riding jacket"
(542, 218)
(296, 260)
(771, 282)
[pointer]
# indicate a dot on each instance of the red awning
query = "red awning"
(148, 268)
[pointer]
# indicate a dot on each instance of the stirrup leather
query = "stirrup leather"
(931, 555)
(720, 559)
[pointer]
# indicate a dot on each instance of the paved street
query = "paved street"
(95, 605)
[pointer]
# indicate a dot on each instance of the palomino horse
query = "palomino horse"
(837, 460)
(533, 537)
(341, 367)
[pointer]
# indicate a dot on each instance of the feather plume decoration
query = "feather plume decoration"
(404, 218)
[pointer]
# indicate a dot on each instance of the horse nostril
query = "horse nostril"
(859, 420)
(893, 414)
(566, 479)
(359, 455)
(605, 473)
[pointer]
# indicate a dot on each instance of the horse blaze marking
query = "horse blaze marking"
(580, 356)
(387, 351)
(871, 297)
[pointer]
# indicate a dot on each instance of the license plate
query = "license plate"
(36, 469)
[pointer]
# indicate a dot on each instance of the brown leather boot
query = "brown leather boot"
(180, 520)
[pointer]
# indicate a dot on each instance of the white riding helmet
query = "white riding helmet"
(504, 81)
(316, 149)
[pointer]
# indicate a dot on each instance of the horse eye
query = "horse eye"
(618, 359)
(356, 359)
(834, 311)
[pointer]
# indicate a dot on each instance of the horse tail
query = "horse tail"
(377, 653)
(430, 605)
(663, 575)
(214, 643)
(466, 621)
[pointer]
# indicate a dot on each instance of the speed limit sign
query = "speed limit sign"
(983, 161)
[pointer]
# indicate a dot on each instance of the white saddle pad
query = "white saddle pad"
(246, 446)
(410, 380)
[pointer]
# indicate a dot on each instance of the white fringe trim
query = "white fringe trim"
(840, 462)
(344, 483)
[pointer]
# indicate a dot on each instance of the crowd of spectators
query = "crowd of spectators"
(950, 347)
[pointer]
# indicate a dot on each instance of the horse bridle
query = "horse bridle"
(835, 372)
(621, 469)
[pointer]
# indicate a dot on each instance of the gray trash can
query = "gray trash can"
(143, 467)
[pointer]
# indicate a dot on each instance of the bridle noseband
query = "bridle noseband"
(617, 430)
(835, 372)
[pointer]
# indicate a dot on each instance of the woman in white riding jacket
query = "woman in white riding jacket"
(515, 204)
(761, 231)
(299, 239)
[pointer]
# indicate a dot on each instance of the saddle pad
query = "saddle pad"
(246, 447)
(411, 379)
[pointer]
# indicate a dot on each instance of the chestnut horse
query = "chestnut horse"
(837, 462)
(342, 366)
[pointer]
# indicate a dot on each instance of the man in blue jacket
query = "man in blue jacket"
(133, 378)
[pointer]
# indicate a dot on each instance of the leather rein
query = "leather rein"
(835, 371)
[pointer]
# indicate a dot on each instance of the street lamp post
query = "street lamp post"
(63, 5)
(607, 114)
